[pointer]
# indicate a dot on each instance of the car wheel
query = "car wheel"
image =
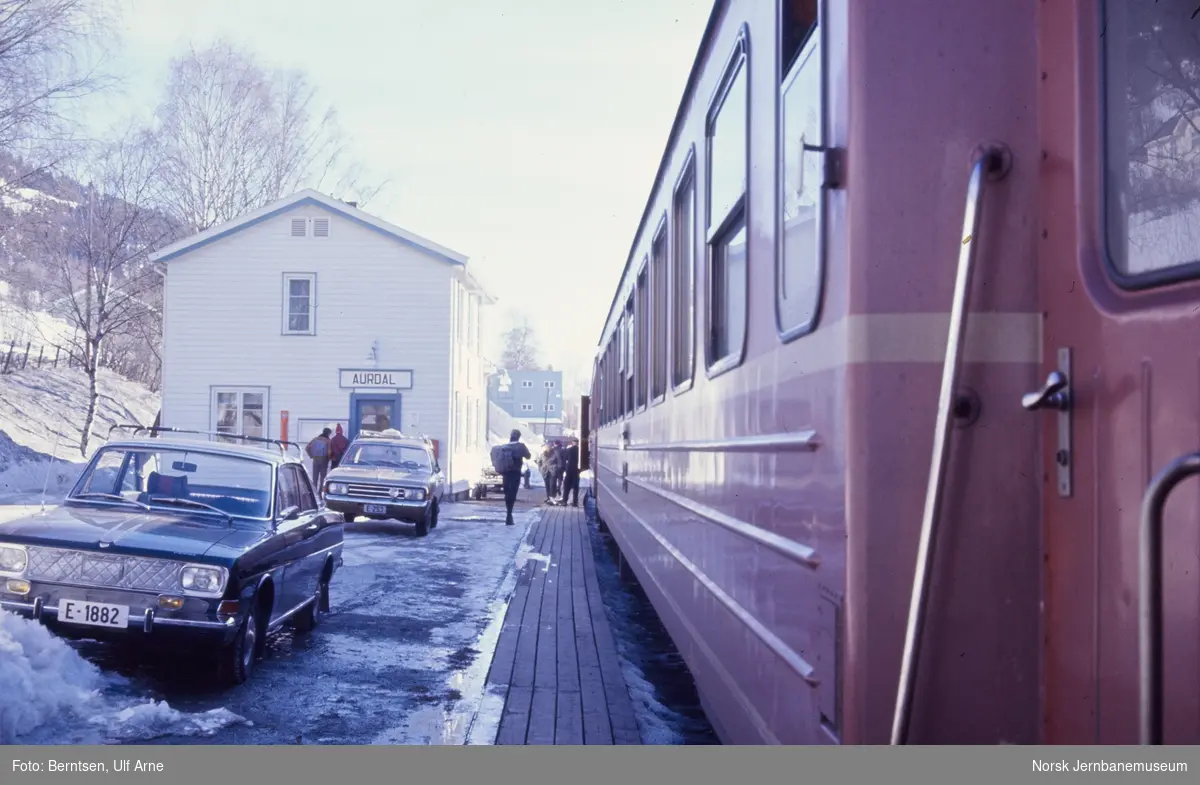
(423, 525)
(237, 659)
(315, 612)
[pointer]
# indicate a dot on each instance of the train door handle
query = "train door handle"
(1055, 394)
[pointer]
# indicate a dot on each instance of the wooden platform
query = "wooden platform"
(555, 659)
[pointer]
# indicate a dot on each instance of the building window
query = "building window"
(299, 303)
(658, 314)
(549, 407)
(549, 385)
(798, 287)
(683, 263)
(239, 411)
(527, 407)
(458, 423)
(526, 383)
(728, 127)
(1152, 145)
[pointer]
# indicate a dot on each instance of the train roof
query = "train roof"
(710, 26)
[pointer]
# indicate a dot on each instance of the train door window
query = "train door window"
(683, 260)
(1152, 144)
(658, 313)
(642, 347)
(798, 281)
(797, 21)
(728, 163)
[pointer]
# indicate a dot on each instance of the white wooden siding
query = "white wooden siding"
(223, 324)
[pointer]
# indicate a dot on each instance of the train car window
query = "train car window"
(630, 356)
(658, 314)
(683, 262)
(797, 21)
(728, 154)
(798, 282)
(1152, 144)
(641, 375)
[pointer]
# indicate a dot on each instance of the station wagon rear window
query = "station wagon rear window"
(1152, 86)
(172, 479)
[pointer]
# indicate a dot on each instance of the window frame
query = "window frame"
(816, 38)
(737, 66)
(641, 336)
(240, 390)
(288, 277)
(685, 182)
(660, 313)
(527, 407)
(1138, 282)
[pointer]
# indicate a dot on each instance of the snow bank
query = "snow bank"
(41, 421)
(49, 689)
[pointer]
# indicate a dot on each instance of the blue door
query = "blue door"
(373, 413)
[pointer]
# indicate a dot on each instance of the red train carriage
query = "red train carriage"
(827, 434)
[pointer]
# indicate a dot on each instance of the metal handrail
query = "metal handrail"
(1150, 610)
(992, 162)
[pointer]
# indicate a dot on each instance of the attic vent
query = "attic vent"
(299, 227)
(320, 227)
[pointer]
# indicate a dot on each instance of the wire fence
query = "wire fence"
(18, 358)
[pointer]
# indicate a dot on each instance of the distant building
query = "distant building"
(533, 398)
(309, 313)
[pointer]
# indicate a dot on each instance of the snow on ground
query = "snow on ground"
(20, 326)
(52, 695)
(41, 416)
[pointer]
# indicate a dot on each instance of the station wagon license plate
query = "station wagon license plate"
(375, 509)
(95, 614)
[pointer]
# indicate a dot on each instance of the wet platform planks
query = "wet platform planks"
(556, 660)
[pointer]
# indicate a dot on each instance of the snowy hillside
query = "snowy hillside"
(42, 414)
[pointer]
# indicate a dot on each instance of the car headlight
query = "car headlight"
(13, 558)
(336, 488)
(205, 580)
(416, 493)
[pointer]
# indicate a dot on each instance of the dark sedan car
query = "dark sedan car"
(181, 542)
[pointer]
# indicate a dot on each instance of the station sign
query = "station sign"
(376, 378)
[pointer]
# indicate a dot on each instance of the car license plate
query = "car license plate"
(96, 614)
(374, 509)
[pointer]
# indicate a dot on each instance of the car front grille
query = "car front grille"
(374, 491)
(59, 565)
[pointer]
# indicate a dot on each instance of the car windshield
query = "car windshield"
(397, 456)
(199, 482)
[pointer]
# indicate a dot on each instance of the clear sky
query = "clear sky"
(524, 134)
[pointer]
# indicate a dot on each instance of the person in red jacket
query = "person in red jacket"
(338, 446)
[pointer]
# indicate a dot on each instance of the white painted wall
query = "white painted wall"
(223, 325)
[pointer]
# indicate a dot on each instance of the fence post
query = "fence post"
(41, 354)
(57, 351)
(12, 347)
(25, 361)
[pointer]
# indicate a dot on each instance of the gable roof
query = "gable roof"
(306, 198)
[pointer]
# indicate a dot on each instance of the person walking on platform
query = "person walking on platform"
(571, 473)
(508, 460)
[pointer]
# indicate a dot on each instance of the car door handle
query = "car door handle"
(312, 526)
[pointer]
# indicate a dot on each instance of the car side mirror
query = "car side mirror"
(290, 514)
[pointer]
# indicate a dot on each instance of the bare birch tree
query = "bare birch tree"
(50, 51)
(520, 351)
(234, 135)
(104, 276)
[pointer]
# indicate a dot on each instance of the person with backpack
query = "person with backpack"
(319, 449)
(508, 460)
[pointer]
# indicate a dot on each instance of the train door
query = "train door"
(1119, 267)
